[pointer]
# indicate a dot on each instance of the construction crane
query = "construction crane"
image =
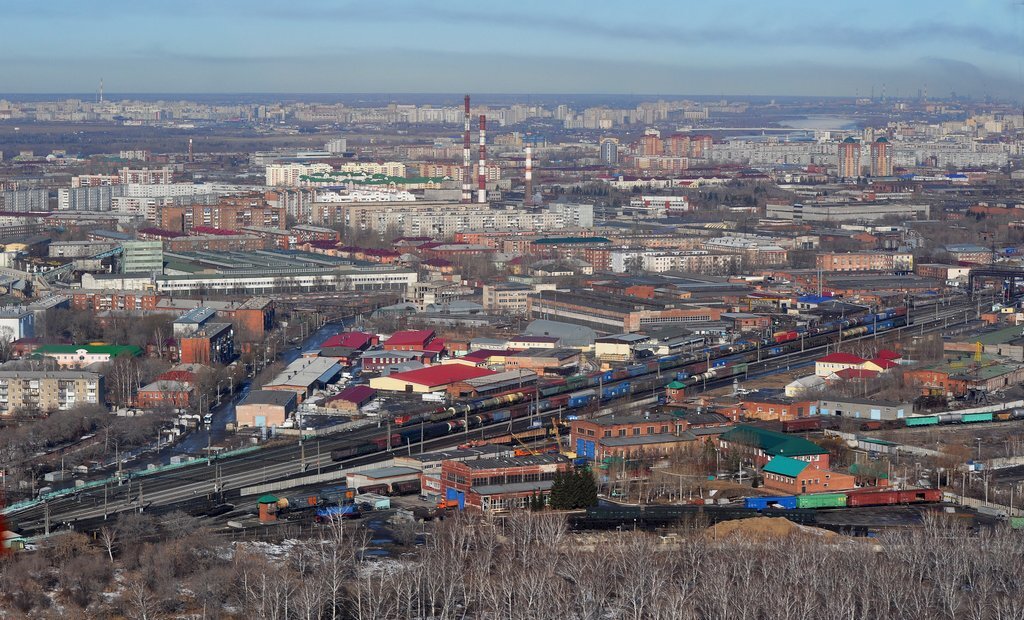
(566, 452)
(525, 449)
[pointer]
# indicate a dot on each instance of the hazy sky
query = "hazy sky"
(773, 47)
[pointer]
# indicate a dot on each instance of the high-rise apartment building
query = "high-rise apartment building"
(881, 158)
(849, 159)
(610, 151)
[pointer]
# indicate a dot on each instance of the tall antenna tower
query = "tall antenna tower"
(101, 91)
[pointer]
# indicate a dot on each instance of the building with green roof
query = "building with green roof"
(785, 466)
(762, 445)
(81, 355)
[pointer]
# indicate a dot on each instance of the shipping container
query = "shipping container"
(822, 500)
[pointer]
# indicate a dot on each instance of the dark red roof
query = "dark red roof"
(161, 232)
(183, 376)
(841, 358)
(357, 394)
(435, 346)
(352, 340)
(410, 337)
(888, 354)
(856, 373)
(433, 376)
(210, 230)
(482, 355)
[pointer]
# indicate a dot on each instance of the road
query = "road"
(227, 476)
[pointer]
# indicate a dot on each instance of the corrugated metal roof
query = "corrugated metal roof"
(785, 466)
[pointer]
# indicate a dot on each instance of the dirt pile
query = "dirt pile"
(763, 528)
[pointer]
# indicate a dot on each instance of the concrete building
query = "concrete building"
(44, 391)
(846, 212)
(266, 408)
(17, 322)
(865, 409)
(612, 314)
(865, 261)
(506, 297)
(610, 151)
(142, 257)
(81, 355)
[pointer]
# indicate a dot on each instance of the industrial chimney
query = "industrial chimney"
(481, 173)
(467, 167)
(529, 177)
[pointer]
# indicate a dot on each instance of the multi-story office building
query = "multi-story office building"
(142, 257)
(45, 391)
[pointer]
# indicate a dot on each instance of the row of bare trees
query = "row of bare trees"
(529, 566)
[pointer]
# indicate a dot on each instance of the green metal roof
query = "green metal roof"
(772, 442)
(785, 466)
(676, 385)
(111, 349)
(267, 499)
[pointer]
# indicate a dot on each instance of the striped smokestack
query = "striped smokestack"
(467, 166)
(481, 173)
(528, 177)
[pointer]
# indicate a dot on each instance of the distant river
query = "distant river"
(821, 121)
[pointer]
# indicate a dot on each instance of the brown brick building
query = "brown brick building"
(230, 213)
(500, 483)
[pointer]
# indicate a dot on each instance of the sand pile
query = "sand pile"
(762, 528)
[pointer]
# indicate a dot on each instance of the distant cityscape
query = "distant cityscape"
(357, 349)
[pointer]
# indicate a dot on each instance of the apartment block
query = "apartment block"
(46, 391)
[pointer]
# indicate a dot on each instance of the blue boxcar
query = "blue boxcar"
(579, 399)
(636, 370)
(682, 376)
(615, 391)
(766, 503)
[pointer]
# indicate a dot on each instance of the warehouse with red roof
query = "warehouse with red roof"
(430, 379)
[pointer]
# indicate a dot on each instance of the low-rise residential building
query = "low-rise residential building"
(45, 391)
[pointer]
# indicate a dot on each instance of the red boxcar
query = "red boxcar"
(800, 425)
(889, 498)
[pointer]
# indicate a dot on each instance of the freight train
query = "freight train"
(581, 390)
(847, 499)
